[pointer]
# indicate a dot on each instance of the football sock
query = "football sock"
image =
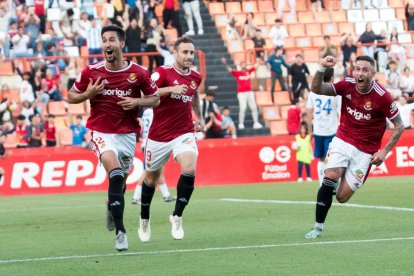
(137, 193)
(146, 198)
(321, 171)
(116, 198)
(319, 225)
(324, 199)
(164, 190)
(185, 188)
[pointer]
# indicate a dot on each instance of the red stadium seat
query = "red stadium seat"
(303, 42)
(10, 140)
(249, 6)
(248, 44)
(339, 16)
(313, 29)
(282, 98)
(346, 27)
(284, 110)
(56, 108)
(297, 30)
(220, 20)
(301, 5)
(6, 69)
(323, 17)
(289, 18)
(311, 55)
(215, 8)
(65, 137)
(278, 127)
(235, 46)
(290, 42)
(233, 7)
(77, 109)
(318, 41)
(305, 17)
(259, 18)
(270, 18)
(263, 99)
(271, 113)
(396, 3)
(265, 6)
(329, 29)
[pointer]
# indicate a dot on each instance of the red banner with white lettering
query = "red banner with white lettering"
(221, 162)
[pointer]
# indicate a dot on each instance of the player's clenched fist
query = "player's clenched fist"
(179, 89)
(328, 61)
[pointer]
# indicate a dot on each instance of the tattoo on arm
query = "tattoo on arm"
(321, 88)
(196, 105)
(396, 133)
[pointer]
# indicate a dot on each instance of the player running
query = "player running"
(173, 131)
(325, 111)
(114, 88)
(147, 117)
(365, 107)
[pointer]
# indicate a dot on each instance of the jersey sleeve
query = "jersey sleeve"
(234, 73)
(340, 87)
(82, 81)
(159, 77)
(388, 106)
(148, 86)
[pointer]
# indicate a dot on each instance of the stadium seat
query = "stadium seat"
(313, 29)
(290, 55)
(405, 38)
(10, 140)
(323, 17)
(346, 27)
(278, 127)
(220, 20)
(65, 137)
(248, 44)
(265, 6)
(282, 98)
(290, 42)
(6, 69)
(259, 18)
(271, 113)
(265, 30)
(396, 3)
(215, 8)
(410, 51)
(233, 7)
(355, 15)
(311, 55)
(56, 108)
(61, 122)
(297, 30)
(263, 98)
(339, 16)
(303, 42)
(330, 28)
(306, 17)
(235, 46)
(400, 13)
(77, 109)
(270, 18)
(284, 110)
(289, 18)
(301, 5)
(318, 41)
(249, 6)
(387, 14)
(370, 15)
(15, 95)
(395, 23)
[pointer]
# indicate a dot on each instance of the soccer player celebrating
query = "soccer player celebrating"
(325, 112)
(173, 131)
(114, 88)
(357, 145)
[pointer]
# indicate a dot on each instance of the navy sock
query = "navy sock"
(185, 188)
(146, 198)
(116, 201)
(324, 199)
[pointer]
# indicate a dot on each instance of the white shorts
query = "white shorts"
(356, 163)
(158, 153)
(122, 144)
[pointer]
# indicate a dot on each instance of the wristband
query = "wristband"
(321, 68)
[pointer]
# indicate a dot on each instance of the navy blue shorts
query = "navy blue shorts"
(322, 145)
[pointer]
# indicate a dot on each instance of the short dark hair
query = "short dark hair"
(226, 107)
(79, 117)
(114, 28)
(210, 93)
(31, 117)
(326, 37)
(327, 76)
(21, 117)
(277, 20)
(299, 55)
(305, 125)
(182, 39)
(366, 58)
(51, 116)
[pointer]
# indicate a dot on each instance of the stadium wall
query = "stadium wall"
(221, 162)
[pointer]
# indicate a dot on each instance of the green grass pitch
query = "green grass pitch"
(65, 234)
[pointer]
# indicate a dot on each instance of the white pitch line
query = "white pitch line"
(190, 250)
(30, 209)
(313, 203)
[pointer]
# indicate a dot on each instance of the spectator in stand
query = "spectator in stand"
(166, 51)
(245, 95)
(278, 34)
(153, 37)
(409, 15)
(79, 132)
(293, 117)
(316, 7)
(392, 80)
(405, 111)
(249, 26)
(171, 12)
(12, 31)
(350, 65)
(50, 130)
(133, 37)
(71, 72)
(348, 46)
(231, 28)
(407, 83)
(148, 7)
(281, 6)
(328, 49)
(20, 130)
(228, 125)
(397, 52)
(82, 30)
(212, 117)
(304, 152)
(259, 43)
(21, 43)
(298, 77)
(7, 105)
(35, 132)
(28, 110)
(3, 154)
(32, 26)
(381, 52)
(368, 38)
(274, 63)
(61, 52)
(50, 86)
(93, 39)
(133, 9)
(26, 89)
(192, 9)
(108, 13)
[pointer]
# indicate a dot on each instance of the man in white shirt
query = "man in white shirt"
(26, 89)
(405, 111)
(407, 82)
(20, 42)
(278, 33)
(93, 39)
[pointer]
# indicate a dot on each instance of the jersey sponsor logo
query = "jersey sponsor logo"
(193, 85)
(246, 77)
(184, 98)
(368, 105)
(358, 115)
(132, 78)
(359, 174)
(117, 92)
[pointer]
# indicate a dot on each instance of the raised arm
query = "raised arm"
(224, 61)
(318, 86)
(379, 157)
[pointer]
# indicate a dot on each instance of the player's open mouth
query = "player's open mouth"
(109, 53)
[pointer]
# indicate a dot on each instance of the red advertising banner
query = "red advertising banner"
(221, 162)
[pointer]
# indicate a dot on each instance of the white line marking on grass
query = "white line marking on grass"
(190, 250)
(313, 203)
(30, 209)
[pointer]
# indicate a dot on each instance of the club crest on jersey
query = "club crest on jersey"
(132, 78)
(368, 105)
(193, 85)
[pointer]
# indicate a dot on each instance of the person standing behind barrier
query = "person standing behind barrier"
(303, 148)
(274, 63)
(298, 78)
(278, 33)
(192, 8)
(245, 94)
(171, 12)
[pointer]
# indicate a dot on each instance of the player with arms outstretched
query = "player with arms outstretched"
(173, 131)
(114, 88)
(357, 145)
